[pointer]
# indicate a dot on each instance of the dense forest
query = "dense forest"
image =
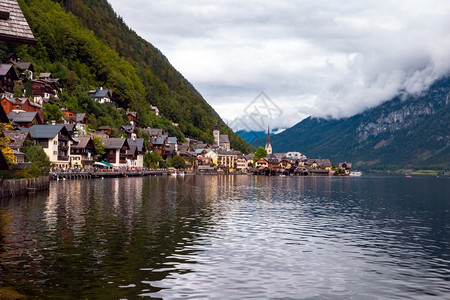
(86, 45)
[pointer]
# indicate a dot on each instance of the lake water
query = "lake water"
(229, 237)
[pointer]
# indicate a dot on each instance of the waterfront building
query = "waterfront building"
(136, 153)
(295, 155)
(241, 163)
(116, 151)
(82, 152)
(227, 159)
(55, 140)
(213, 155)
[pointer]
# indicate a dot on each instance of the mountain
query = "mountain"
(86, 45)
(405, 132)
(251, 136)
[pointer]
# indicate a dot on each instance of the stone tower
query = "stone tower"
(268, 145)
(216, 134)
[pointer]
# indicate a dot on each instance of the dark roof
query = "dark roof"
(80, 117)
(153, 131)
(273, 160)
(114, 143)
(45, 131)
(223, 138)
(24, 66)
(101, 93)
(22, 101)
(157, 141)
(324, 162)
(4, 69)
(14, 27)
(250, 156)
(22, 116)
(139, 143)
(132, 151)
(82, 142)
(170, 148)
(224, 152)
(172, 140)
(128, 128)
(17, 138)
(70, 127)
(348, 165)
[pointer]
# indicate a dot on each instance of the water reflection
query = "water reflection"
(229, 236)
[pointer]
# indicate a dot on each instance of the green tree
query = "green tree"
(99, 145)
(52, 112)
(154, 160)
(40, 163)
(4, 145)
(260, 152)
(178, 162)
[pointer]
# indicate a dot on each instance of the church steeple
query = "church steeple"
(268, 145)
(216, 134)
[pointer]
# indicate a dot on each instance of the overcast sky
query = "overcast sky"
(311, 57)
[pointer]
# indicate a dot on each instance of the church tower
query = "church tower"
(268, 145)
(216, 134)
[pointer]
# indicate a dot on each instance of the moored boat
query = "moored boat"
(355, 173)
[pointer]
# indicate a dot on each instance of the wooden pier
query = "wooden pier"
(98, 174)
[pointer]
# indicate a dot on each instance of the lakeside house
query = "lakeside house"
(116, 151)
(137, 150)
(82, 152)
(55, 140)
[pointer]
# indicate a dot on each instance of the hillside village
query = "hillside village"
(72, 143)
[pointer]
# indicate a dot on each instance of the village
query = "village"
(71, 147)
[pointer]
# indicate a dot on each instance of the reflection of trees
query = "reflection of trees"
(89, 237)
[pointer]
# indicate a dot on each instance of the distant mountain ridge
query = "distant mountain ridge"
(405, 132)
(251, 136)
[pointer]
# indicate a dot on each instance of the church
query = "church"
(221, 140)
(268, 146)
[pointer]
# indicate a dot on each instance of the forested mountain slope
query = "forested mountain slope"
(87, 45)
(405, 132)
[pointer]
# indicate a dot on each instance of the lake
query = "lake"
(229, 237)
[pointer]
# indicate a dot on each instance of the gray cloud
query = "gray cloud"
(311, 57)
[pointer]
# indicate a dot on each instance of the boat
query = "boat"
(355, 173)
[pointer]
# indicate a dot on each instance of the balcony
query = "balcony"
(65, 158)
(87, 162)
(63, 147)
(63, 137)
